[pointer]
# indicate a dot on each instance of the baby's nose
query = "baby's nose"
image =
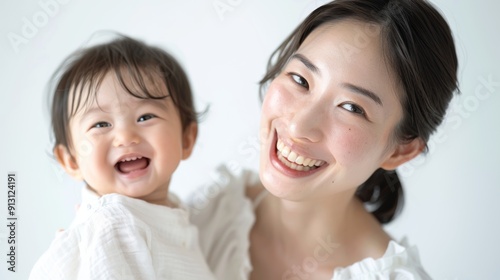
(125, 137)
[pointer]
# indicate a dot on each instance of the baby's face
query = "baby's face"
(126, 145)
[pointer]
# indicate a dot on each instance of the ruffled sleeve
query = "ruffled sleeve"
(225, 217)
(400, 262)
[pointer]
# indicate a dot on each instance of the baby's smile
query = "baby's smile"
(131, 164)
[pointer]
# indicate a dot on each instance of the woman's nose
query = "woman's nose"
(306, 123)
(125, 136)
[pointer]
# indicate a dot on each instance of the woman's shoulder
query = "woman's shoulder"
(400, 261)
(222, 210)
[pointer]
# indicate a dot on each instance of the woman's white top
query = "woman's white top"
(225, 216)
(118, 237)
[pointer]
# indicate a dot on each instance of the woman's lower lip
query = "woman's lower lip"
(281, 167)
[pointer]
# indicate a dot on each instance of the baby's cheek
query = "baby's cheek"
(85, 149)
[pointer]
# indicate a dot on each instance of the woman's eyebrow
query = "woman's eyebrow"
(356, 89)
(363, 91)
(306, 62)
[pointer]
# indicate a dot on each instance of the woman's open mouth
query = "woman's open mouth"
(291, 162)
(294, 160)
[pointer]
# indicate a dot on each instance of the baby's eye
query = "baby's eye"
(353, 108)
(299, 80)
(101, 125)
(145, 117)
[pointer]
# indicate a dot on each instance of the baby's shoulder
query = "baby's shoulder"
(109, 212)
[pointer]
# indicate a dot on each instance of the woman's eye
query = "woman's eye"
(146, 117)
(299, 80)
(101, 125)
(353, 108)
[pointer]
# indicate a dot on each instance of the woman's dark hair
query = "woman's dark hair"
(138, 68)
(418, 45)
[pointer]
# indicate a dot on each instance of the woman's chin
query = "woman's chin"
(282, 189)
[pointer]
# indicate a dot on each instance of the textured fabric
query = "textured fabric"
(225, 216)
(118, 237)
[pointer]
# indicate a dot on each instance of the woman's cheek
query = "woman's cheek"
(276, 104)
(276, 96)
(351, 145)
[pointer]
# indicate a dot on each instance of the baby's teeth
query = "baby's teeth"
(130, 159)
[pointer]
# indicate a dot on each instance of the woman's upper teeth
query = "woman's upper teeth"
(292, 156)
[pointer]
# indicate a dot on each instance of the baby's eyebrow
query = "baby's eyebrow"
(160, 103)
(96, 109)
(93, 109)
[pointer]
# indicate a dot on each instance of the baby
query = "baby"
(123, 118)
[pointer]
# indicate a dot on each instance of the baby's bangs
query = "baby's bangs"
(83, 91)
(144, 82)
(138, 82)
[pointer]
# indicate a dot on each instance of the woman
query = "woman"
(354, 92)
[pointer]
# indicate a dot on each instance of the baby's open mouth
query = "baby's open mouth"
(132, 164)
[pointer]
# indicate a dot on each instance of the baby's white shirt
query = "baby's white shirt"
(119, 237)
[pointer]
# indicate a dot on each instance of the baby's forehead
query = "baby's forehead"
(115, 90)
(119, 102)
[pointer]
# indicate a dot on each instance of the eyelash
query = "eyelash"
(151, 116)
(142, 118)
(99, 125)
(299, 80)
(355, 109)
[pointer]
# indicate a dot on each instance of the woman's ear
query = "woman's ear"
(67, 161)
(403, 153)
(189, 139)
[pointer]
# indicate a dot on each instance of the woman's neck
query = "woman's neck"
(334, 229)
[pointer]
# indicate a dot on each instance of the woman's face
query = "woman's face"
(328, 118)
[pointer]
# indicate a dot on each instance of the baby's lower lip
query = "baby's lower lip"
(131, 166)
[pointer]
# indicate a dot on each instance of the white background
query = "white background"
(452, 194)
